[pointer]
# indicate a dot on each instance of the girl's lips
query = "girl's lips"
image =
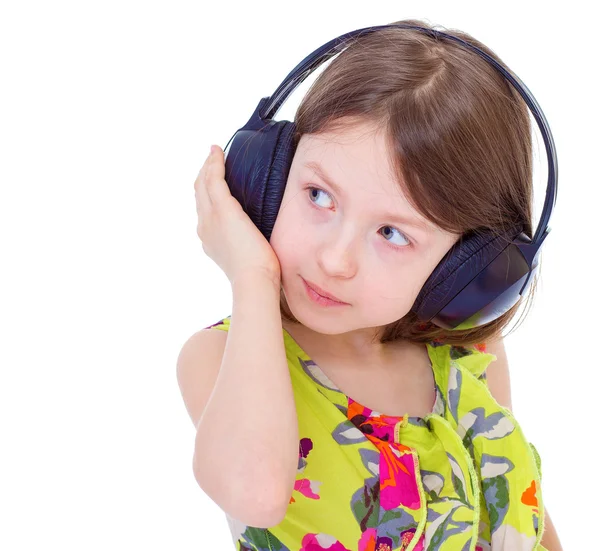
(323, 293)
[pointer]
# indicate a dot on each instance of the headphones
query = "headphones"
(479, 278)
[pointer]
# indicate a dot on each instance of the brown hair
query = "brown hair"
(460, 136)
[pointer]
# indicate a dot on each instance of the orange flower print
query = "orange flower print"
(529, 496)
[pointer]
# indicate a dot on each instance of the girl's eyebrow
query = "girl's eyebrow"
(407, 220)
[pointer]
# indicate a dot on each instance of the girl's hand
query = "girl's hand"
(227, 233)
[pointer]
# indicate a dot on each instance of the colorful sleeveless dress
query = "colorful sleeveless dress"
(463, 478)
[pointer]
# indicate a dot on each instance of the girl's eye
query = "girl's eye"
(314, 191)
(407, 241)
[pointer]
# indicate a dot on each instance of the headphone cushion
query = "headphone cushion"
(277, 176)
(471, 253)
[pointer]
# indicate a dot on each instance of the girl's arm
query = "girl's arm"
(246, 447)
(498, 380)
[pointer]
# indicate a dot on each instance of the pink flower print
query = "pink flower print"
(321, 542)
(308, 488)
(398, 479)
(368, 540)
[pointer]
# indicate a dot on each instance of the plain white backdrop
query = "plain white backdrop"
(107, 114)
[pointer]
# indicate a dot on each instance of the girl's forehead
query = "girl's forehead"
(362, 163)
(358, 149)
(347, 136)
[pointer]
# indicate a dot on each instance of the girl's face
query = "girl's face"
(352, 233)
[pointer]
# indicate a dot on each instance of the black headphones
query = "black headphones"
(481, 276)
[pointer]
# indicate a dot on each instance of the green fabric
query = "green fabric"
(462, 478)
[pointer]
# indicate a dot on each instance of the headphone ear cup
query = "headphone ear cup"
(257, 165)
(483, 271)
(278, 176)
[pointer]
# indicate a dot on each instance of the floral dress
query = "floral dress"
(462, 478)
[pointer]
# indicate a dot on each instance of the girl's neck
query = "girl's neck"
(346, 349)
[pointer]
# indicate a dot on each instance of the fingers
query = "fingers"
(215, 181)
(203, 201)
(210, 186)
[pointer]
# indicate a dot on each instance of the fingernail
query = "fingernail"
(212, 149)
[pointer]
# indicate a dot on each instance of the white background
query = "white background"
(107, 114)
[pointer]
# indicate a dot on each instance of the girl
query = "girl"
(327, 415)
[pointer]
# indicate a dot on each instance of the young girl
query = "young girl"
(327, 415)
